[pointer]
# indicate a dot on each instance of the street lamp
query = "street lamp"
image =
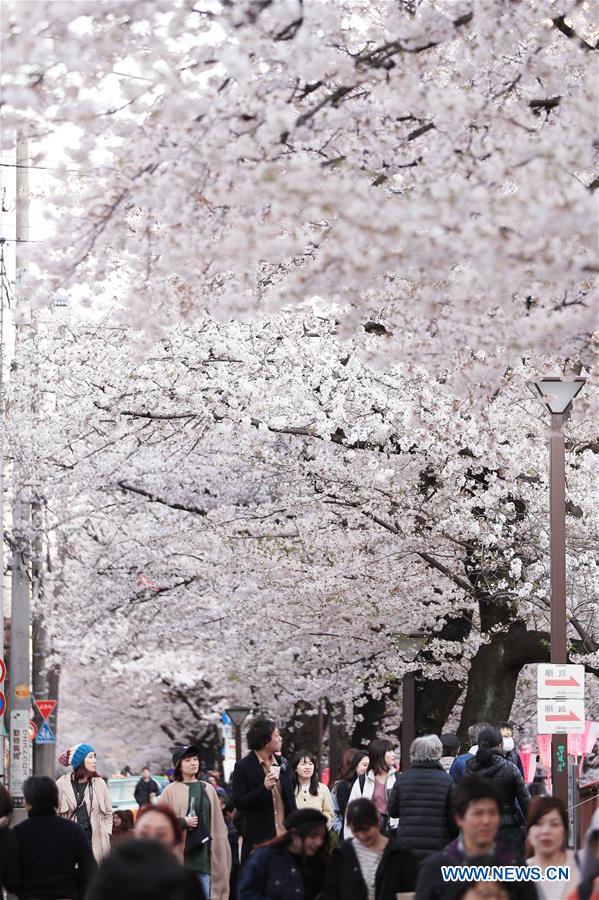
(409, 646)
(238, 715)
(556, 395)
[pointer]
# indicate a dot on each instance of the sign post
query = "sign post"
(560, 712)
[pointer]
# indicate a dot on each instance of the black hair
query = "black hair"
(41, 794)
(465, 887)
(295, 761)
(138, 870)
(376, 754)
(471, 789)
(260, 733)
(488, 740)
(6, 804)
(362, 814)
(500, 725)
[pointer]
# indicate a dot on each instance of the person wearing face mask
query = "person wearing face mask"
(507, 735)
(84, 797)
(547, 845)
(196, 804)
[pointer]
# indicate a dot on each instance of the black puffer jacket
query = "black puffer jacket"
(507, 779)
(422, 799)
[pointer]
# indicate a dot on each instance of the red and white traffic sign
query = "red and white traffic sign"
(46, 708)
(554, 682)
(2, 670)
(32, 730)
(560, 716)
(2, 703)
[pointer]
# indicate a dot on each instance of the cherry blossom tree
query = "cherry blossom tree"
(426, 166)
(253, 513)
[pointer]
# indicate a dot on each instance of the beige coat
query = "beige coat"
(322, 801)
(176, 795)
(100, 813)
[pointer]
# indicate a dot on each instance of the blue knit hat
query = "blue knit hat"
(75, 755)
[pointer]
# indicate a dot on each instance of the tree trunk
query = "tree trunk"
(494, 674)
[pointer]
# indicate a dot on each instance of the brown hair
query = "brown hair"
(168, 813)
(81, 773)
(304, 831)
(539, 807)
(347, 769)
(126, 817)
(6, 804)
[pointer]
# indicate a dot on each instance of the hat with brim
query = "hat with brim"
(181, 752)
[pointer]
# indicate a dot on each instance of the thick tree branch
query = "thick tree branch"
(196, 510)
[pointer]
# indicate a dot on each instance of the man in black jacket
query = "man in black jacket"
(146, 788)
(478, 814)
(55, 857)
(422, 800)
(262, 787)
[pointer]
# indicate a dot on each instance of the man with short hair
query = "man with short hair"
(55, 857)
(506, 731)
(146, 789)
(262, 787)
(477, 815)
(459, 764)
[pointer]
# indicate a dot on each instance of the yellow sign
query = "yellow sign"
(22, 691)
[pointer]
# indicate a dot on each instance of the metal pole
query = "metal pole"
(3, 275)
(237, 742)
(20, 663)
(408, 718)
(559, 649)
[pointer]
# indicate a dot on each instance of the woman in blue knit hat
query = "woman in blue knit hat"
(84, 797)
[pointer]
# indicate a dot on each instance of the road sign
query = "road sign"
(2, 670)
(560, 716)
(2, 703)
(32, 730)
(46, 708)
(554, 681)
(45, 735)
(21, 754)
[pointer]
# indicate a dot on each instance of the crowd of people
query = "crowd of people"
(280, 833)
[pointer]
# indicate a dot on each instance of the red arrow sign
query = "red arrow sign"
(561, 717)
(46, 707)
(562, 682)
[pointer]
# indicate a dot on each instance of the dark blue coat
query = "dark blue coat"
(458, 766)
(422, 800)
(272, 873)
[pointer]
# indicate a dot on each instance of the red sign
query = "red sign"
(2, 670)
(46, 708)
(562, 682)
(32, 730)
(2, 703)
(563, 717)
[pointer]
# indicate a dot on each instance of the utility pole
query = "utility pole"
(2, 413)
(20, 639)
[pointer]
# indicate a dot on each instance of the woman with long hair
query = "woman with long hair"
(207, 852)
(490, 763)
(291, 865)
(351, 759)
(547, 845)
(122, 826)
(377, 783)
(84, 797)
(307, 789)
